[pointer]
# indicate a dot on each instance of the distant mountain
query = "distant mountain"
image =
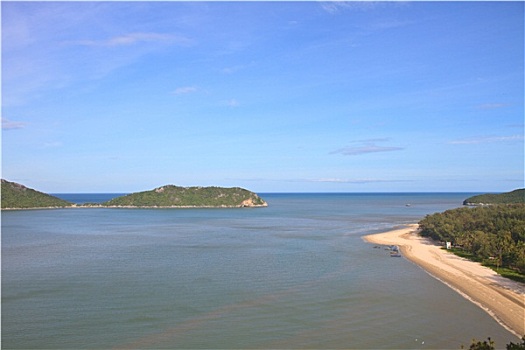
(516, 196)
(16, 196)
(171, 196)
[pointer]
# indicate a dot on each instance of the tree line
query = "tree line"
(493, 235)
(490, 345)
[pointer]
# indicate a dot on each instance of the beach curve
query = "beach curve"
(500, 297)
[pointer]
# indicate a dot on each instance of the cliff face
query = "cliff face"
(250, 203)
(17, 196)
(171, 196)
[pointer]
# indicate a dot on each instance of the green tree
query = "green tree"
(493, 235)
(518, 346)
(478, 345)
(501, 244)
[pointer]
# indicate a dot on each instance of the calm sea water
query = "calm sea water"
(296, 274)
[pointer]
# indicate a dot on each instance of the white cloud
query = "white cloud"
(487, 139)
(135, 38)
(236, 68)
(10, 125)
(489, 106)
(184, 90)
(230, 70)
(365, 146)
(44, 45)
(334, 7)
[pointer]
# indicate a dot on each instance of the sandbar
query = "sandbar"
(502, 298)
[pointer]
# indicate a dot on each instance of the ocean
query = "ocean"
(296, 274)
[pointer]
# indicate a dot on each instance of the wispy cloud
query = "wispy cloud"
(56, 66)
(519, 126)
(365, 146)
(231, 70)
(489, 106)
(326, 180)
(354, 181)
(231, 102)
(136, 38)
(487, 139)
(183, 90)
(236, 68)
(334, 7)
(10, 124)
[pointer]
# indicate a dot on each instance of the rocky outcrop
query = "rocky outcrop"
(249, 203)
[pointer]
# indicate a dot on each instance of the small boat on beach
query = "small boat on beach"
(394, 251)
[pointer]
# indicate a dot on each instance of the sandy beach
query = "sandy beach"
(502, 298)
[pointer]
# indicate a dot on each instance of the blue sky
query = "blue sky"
(273, 97)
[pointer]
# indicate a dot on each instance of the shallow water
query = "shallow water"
(293, 275)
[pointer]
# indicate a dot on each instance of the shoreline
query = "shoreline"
(502, 298)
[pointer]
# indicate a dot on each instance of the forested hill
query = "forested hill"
(16, 196)
(494, 234)
(516, 196)
(171, 196)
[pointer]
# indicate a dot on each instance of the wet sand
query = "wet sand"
(502, 298)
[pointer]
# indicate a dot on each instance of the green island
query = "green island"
(17, 196)
(171, 196)
(516, 196)
(493, 235)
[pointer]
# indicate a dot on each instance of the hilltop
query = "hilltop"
(17, 196)
(171, 196)
(513, 197)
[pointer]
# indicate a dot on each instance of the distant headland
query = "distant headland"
(513, 197)
(17, 196)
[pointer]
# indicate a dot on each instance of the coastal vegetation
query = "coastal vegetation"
(489, 344)
(516, 196)
(18, 196)
(493, 235)
(175, 196)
